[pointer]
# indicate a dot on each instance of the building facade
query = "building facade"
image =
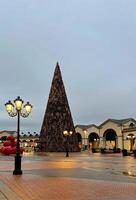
(111, 134)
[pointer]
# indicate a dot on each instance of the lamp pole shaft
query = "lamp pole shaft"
(131, 143)
(17, 170)
(67, 150)
(18, 131)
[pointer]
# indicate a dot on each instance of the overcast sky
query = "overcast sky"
(94, 42)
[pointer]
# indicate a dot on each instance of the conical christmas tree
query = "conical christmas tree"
(57, 119)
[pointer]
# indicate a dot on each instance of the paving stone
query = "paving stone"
(6, 193)
(88, 178)
(2, 196)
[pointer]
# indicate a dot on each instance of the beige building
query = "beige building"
(111, 134)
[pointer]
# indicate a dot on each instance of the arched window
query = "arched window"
(110, 135)
(131, 139)
(3, 138)
(131, 125)
(110, 138)
(93, 137)
(79, 137)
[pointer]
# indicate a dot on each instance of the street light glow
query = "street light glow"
(18, 102)
(9, 106)
(28, 107)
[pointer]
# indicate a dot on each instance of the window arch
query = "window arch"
(79, 137)
(110, 135)
(93, 137)
(131, 125)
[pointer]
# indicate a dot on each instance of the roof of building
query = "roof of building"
(85, 126)
(10, 132)
(119, 121)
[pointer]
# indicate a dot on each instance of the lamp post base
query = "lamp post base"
(17, 170)
(67, 154)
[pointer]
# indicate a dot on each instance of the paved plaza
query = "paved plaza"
(82, 176)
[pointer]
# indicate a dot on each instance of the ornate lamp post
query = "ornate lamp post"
(67, 134)
(18, 102)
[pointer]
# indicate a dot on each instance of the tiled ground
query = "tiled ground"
(79, 177)
(38, 188)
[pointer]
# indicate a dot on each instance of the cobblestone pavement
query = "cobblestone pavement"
(81, 176)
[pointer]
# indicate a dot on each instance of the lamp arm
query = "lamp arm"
(24, 115)
(12, 114)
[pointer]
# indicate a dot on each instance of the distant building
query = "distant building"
(29, 140)
(4, 134)
(111, 134)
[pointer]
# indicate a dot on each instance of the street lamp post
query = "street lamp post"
(18, 102)
(67, 134)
